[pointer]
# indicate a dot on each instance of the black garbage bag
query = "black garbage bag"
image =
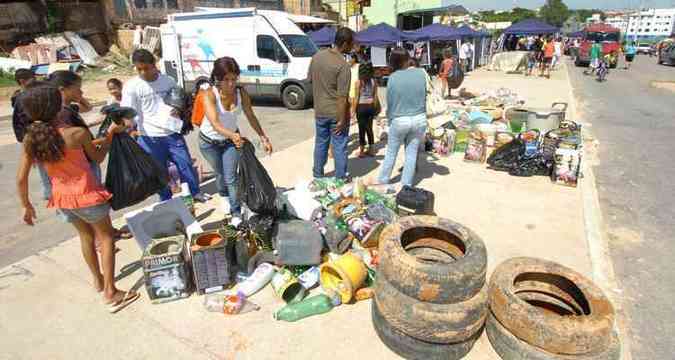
(132, 174)
(183, 102)
(531, 166)
(414, 201)
(506, 157)
(256, 188)
(114, 114)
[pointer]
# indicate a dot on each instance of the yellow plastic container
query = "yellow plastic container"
(344, 276)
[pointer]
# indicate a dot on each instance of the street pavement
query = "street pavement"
(634, 125)
(285, 128)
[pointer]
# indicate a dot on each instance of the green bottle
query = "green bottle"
(314, 305)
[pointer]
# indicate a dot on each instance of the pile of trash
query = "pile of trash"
(321, 234)
(495, 127)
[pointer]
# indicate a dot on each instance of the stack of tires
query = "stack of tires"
(541, 310)
(430, 292)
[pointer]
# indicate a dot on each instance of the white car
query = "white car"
(644, 49)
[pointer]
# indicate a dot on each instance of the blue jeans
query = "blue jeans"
(407, 130)
(325, 136)
(224, 160)
(174, 148)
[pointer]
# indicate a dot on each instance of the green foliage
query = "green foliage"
(7, 78)
(583, 14)
(555, 12)
(514, 16)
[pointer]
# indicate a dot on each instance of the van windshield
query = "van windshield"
(602, 36)
(299, 45)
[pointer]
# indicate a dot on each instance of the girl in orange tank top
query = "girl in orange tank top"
(77, 193)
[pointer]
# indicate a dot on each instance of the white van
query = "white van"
(272, 52)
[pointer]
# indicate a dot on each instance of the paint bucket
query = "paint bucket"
(287, 287)
(516, 118)
(344, 275)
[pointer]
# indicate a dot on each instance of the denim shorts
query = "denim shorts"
(90, 215)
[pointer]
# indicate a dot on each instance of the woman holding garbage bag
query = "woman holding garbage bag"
(70, 87)
(219, 137)
(64, 151)
(406, 113)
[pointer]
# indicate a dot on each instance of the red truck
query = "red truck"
(608, 36)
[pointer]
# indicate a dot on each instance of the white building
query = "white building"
(618, 21)
(651, 24)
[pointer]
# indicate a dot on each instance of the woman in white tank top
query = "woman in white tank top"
(219, 138)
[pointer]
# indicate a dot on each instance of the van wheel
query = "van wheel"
(294, 97)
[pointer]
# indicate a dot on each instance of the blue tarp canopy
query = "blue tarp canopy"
(531, 27)
(435, 32)
(467, 31)
(382, 35)
(323, 37)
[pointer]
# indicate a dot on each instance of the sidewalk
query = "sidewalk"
(49, 309)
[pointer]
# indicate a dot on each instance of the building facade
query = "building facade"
(411, 14)
(651, 25)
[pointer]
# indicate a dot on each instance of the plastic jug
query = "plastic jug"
(314, 305)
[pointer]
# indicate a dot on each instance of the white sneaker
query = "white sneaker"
(225, 205)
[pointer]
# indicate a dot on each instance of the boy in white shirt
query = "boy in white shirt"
(158, 124)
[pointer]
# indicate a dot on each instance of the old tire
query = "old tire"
(552, 331)
(294, 97)
(411, 348)
(510, 347)
(433, 280)
(437, 323)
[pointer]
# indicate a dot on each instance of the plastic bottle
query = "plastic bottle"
(187, 197)
(261, 276)
(229, 303)
(314, 305)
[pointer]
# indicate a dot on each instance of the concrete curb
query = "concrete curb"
(598, 246)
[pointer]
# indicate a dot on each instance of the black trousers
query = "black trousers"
(365, 113)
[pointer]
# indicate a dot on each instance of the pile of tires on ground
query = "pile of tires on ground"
(432, 300)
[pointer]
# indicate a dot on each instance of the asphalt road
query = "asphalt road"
(17, 241)
(634, 123)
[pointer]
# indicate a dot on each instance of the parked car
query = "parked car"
(666, 55)
(607, 35)
(643, 48)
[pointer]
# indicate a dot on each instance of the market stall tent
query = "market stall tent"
(323, 37)
(531, 27)
(435, 32)
(382, 35)
(467, 31)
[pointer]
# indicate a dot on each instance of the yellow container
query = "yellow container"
(344, 276)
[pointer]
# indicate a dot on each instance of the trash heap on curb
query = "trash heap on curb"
(325, 243)
(497, 128)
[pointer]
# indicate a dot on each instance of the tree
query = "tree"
(555, 12)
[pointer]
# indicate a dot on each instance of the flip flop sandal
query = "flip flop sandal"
(126, 300)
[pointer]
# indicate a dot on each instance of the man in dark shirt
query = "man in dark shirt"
(23, 77)
(330, 75)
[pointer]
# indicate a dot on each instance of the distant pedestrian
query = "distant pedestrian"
(630, 52)
(354, 79)
(330, 75)
(23, 77)
(595, 55)
(406, 113)
(78, 196)
(531, 62)
(557, 53)
(464, 51)
(367, 107)
(114, 86)
(446, 69)
(549, 52)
